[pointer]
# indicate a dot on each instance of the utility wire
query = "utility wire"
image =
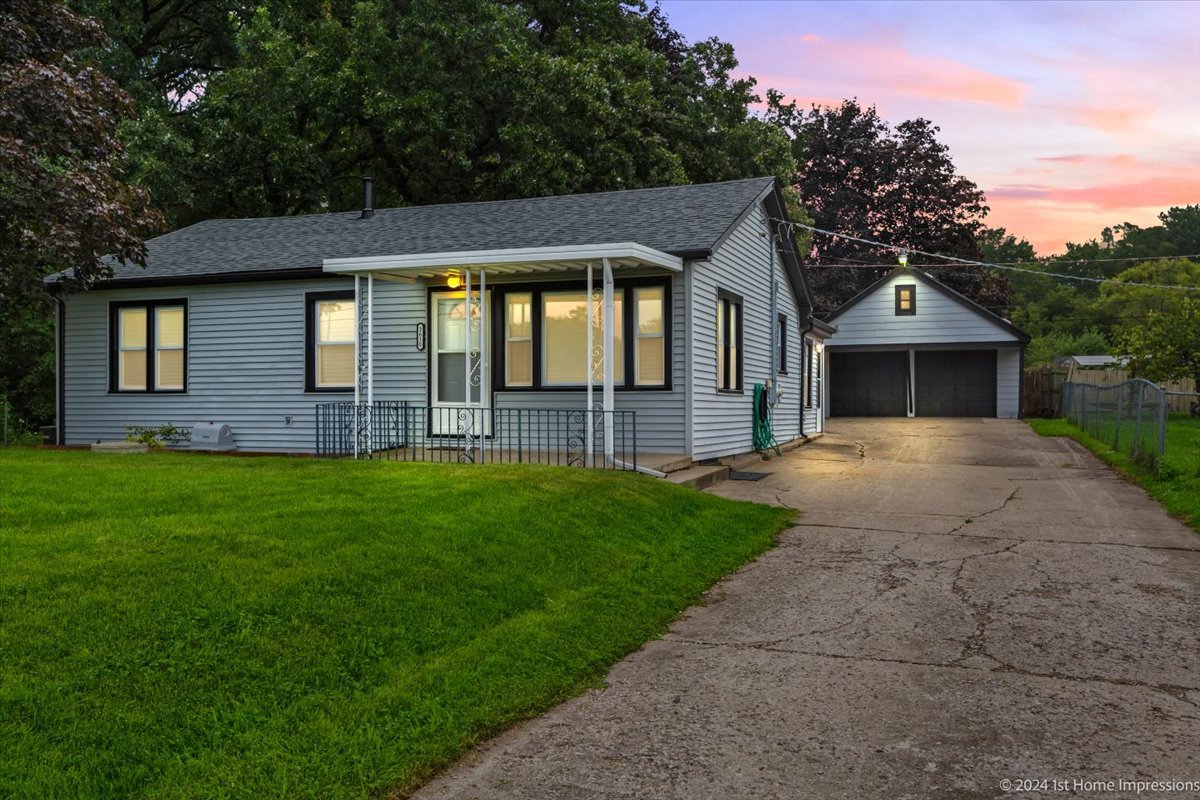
(973, 263)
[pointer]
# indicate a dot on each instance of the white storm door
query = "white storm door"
(455, 411)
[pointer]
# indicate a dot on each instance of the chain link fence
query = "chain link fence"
(1131, 417)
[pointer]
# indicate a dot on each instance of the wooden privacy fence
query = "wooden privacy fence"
(1042, 395)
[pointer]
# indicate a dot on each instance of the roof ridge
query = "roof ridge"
(640, 189)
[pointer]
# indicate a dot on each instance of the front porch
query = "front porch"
(478, 307)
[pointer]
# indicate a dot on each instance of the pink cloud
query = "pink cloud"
(1161, 191)
(1109, 120)
(886, 67)
(1114, 160)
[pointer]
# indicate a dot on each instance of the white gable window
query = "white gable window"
(148, 346)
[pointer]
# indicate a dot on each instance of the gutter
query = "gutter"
(60, 376)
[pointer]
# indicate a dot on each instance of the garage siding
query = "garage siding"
(1008, 382)
(939, 319)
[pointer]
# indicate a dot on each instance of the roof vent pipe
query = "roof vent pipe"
(368, 198)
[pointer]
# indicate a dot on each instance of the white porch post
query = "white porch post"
(608, 363)
(370, 339)
(591, 325)
(466, 343)
(483, 361)
(357, 361)
(911, 400)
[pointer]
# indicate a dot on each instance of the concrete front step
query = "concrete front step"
(676, 465)
(699, 477)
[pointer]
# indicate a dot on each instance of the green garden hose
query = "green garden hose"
(763, 438)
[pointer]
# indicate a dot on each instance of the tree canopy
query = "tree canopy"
(440, 101)
(64, 201)
(860, 176)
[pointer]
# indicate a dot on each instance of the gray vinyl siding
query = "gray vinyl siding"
(245, 362)
(813, 415)
(873, 321)
(246, 350)
(722, 423)
(1008, 382)
(660, 413)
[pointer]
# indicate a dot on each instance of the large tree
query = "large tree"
(440, 101)
(63, 199)
(1164, 347)
(858, 175)
(1118, 246)
(64, 203)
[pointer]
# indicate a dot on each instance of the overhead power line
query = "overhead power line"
(972, 262)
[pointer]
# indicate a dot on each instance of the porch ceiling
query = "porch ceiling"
(512, 261)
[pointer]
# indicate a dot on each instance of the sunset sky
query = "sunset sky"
(1070, 115)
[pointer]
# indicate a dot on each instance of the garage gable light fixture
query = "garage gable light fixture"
(903, 258)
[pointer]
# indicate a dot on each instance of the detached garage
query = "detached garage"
(909, 345)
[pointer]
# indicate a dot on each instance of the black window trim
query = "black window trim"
(725, 384)
(624, 287)
(310, 340)
(114, 344)
(782, 367)
(912, 304)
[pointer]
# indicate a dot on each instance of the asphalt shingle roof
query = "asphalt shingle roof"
(681, 220)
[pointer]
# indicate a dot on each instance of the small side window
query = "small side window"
(906, 300)
(729, 342)
(329, 342)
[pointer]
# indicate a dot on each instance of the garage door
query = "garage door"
(956, 383)
(868, 384)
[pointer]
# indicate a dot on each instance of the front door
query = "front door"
(453, 413)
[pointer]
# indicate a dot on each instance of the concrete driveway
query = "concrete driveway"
(962, 603)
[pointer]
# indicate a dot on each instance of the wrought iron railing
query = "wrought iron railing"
(400, 431)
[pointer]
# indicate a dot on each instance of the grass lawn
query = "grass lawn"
(1176, 482)
(177, 626)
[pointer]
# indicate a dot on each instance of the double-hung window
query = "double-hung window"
(650, 333)
(783, 353)
(906, 300)
(148, 346)
(518, 339)
(329, 341)
(729, 342)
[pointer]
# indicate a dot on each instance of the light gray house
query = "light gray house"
(908, 345)
(360, 332)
